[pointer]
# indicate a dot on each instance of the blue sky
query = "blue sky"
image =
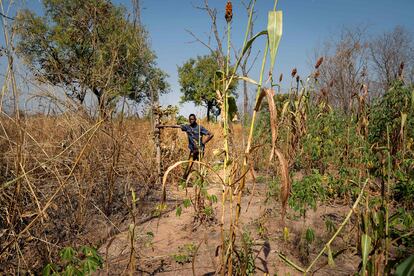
(307, 24)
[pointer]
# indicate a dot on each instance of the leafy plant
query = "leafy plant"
(393, 109)
(244, 260)
(273, 190)
(310, 235)
(307, 192)
(329, 225)
(85, 261)
(185, 253)
(406, 267)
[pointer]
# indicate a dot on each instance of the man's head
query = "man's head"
(192, 119)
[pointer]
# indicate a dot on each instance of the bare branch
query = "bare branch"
(200, 41)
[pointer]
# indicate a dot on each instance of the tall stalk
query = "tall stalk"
(226, 142)
(386, 196)
(11, 80)
(227, 154)
(249, 140)
(248, 34)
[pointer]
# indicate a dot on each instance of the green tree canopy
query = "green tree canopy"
(89, 45)
(199, 82)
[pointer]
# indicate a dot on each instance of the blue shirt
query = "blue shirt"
(195, 135)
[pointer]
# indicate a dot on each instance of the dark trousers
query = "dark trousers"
(194, 156)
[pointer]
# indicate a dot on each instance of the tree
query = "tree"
(199, 81)
(344, 68)
(89, 46)
(389, 51)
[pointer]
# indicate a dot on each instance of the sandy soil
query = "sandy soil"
(158, 240)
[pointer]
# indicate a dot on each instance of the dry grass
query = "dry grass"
(74, 181)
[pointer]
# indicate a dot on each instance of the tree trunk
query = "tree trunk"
(209, 106)
(103, 114)
(157, 140)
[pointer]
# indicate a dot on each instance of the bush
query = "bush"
(307, 192)
(388, 111)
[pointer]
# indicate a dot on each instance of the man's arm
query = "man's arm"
(207, 138)
(168, 126)
(207, 135)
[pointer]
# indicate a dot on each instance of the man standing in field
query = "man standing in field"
(198, 137)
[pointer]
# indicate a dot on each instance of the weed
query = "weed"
(330, 225)
(185, 253)
(244, 262)
(273, 190)
(85, 261)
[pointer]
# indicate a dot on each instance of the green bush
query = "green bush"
(331, 142)
(307, 192)
(388, 111)
(395, 111)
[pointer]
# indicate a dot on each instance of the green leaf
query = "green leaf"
(406, 267)
(366, 249)
(274, 29)
(47, 270)
(310, 235)
(213, 198)
(92, 254)
(70, 271)
(178, 211)
(247, 46)
(186, 203)
(67, 254)
(218, 78)
(89, 265)
(208, 211)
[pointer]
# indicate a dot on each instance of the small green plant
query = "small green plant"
(307, 192)
(330, 225)
(244, 261)
(260, 179)
(149, 237)
(307, 238)
(185, 253)
(85, 261)
(310, 235)
(186, 203)
(273, 190)
(261, 229)
(201, 201)
(159, 209)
